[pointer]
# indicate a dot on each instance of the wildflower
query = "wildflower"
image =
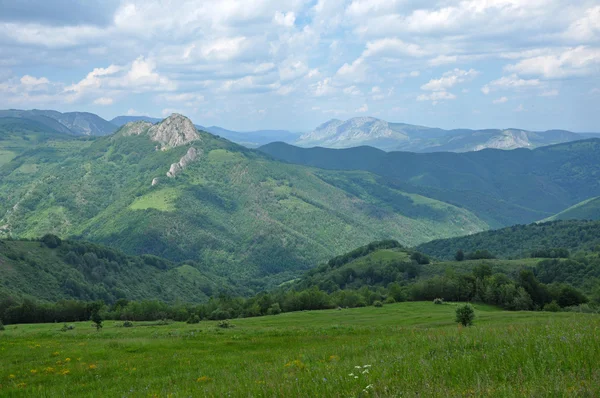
(49, 370)
(369, 387)
(356, 377)
(334, 358)
(33, 371)
(367, 366)
(203, 379)
(65, 372)
(59, 363)
(357, 367)
(92, 367)
(55, 354)
(365, 371)
(21, 385)
(67, 359)
(11, 376)
(351, 374)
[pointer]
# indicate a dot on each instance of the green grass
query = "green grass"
(163, 200)
(6, 156)
(408, 349)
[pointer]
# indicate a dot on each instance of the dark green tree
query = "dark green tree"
(460, 255)
(465, 314)
(97, 320)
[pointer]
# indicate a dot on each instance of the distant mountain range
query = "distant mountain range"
(405, 137)
(336, 133)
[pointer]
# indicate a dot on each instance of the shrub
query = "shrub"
(194, 319)
(377, 304)
(390, 300)
(275, 309)
(224, 324)
(552, 307)
(127, 324)
(460, 255)
(163, 322)
(1, 326)
(51, 241)
(438, 301)
(465, 314)
(66, 327)
(97, 320)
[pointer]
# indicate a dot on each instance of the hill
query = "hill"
(586, 210)
(521, 240)
(77, 123)
(405, 137)
(253, 139)
(85, 271)
(179, 193)
(501, 187)
(120, 121)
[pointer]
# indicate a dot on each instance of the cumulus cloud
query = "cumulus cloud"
(436, 96)
(284, 19)
(450, 79)
(576, 61)
(510, 82)
(104, 101)
(500, 100)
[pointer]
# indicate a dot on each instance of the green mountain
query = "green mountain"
(521, 240)
(586, 210)
(176, 192)
(85, 271)
(76, 123)
(501, 187)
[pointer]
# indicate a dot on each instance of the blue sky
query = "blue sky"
(294, 64)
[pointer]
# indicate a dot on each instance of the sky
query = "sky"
(294, 64)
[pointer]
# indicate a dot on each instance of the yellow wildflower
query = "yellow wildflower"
(334, 358)
(21, 385)
(33, 371)
(65, 372)
(203, 379)
(49, 370)
(11, 376)
(92, 367)
(67, 359)
(55, 354)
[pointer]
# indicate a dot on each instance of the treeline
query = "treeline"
(525, 292)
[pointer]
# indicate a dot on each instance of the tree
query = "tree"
(460, 255)
(465, 314)
(51, 241)
(1, 325)
(97, 320)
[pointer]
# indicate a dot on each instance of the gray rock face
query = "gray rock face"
(155, 181)
(135, 128)
(176, 130)
(191, 155)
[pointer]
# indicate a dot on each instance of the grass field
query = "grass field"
(405, 349)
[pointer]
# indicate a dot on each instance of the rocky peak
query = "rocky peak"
(135, 128)
(176, 130)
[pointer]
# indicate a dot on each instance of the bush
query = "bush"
(275, 309)
(552, 307)
(51, 241)
(224, 324)
(438, 301)
(127, 324)
(390, 300)
(465, 314)
(163, 322)
(377, 304)
(194, 319)
(66, 327)
(1, 326)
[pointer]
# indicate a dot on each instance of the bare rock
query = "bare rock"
(155, 181)
(191, 156)
(174, 131)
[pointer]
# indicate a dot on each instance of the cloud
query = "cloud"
(352, 90)
(586, 28)
(576, 61)
(284, 19)
(436, 96)
(323, 88)
(31, 81)
(362, 109)
(104, 101)
(509, 82)
(450, 79)
(500, 100)
(392, 47)
(549, 93)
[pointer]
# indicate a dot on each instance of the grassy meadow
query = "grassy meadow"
(404, 349)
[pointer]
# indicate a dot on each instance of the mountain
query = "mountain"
(85, 271)
(171, 190)
(500, 187)
(587, 210)
(120, 121)
(521, 240)
(76, 123)
(405, 137)
(253, 139)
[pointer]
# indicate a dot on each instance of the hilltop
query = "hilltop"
(587, 210)
(171, 190)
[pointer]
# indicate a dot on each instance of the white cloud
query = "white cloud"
(323, 88)
(104, 101)
(520, 108)
(450, 79)
(436, 96)
(362, 109)
(586, 28)
(509, 82)
(31, 81)
(415, 73)
(352, 90)
(132, 112)
(284, 19)
(576, 61)
(355, 72)
(392, 47)
(292, 70)
(443, 60)
(500, 100)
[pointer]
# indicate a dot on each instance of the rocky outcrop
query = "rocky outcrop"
(191, 155)
(155, 181)
(135, 128)
(174, 131)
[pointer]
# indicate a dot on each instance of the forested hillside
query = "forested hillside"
(501, 187)
(587, 210)
(172, 191)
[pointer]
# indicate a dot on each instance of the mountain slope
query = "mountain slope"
(405, 137)
(170, 190)
(501, 187)
(77, 123)
(252, 139)
(587, 210)
(120, 121)
(521, 240)
(84, 271)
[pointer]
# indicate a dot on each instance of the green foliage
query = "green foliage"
(377, 303)
(420, 258)
(51, 241)
(465, 314)
(194, 319)
(552, 307)
(66, 327)
(2, 328)
(438, 301)
(460, 255)
(127, 324)
(96, 319)
(225, 324)
(587, 210)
